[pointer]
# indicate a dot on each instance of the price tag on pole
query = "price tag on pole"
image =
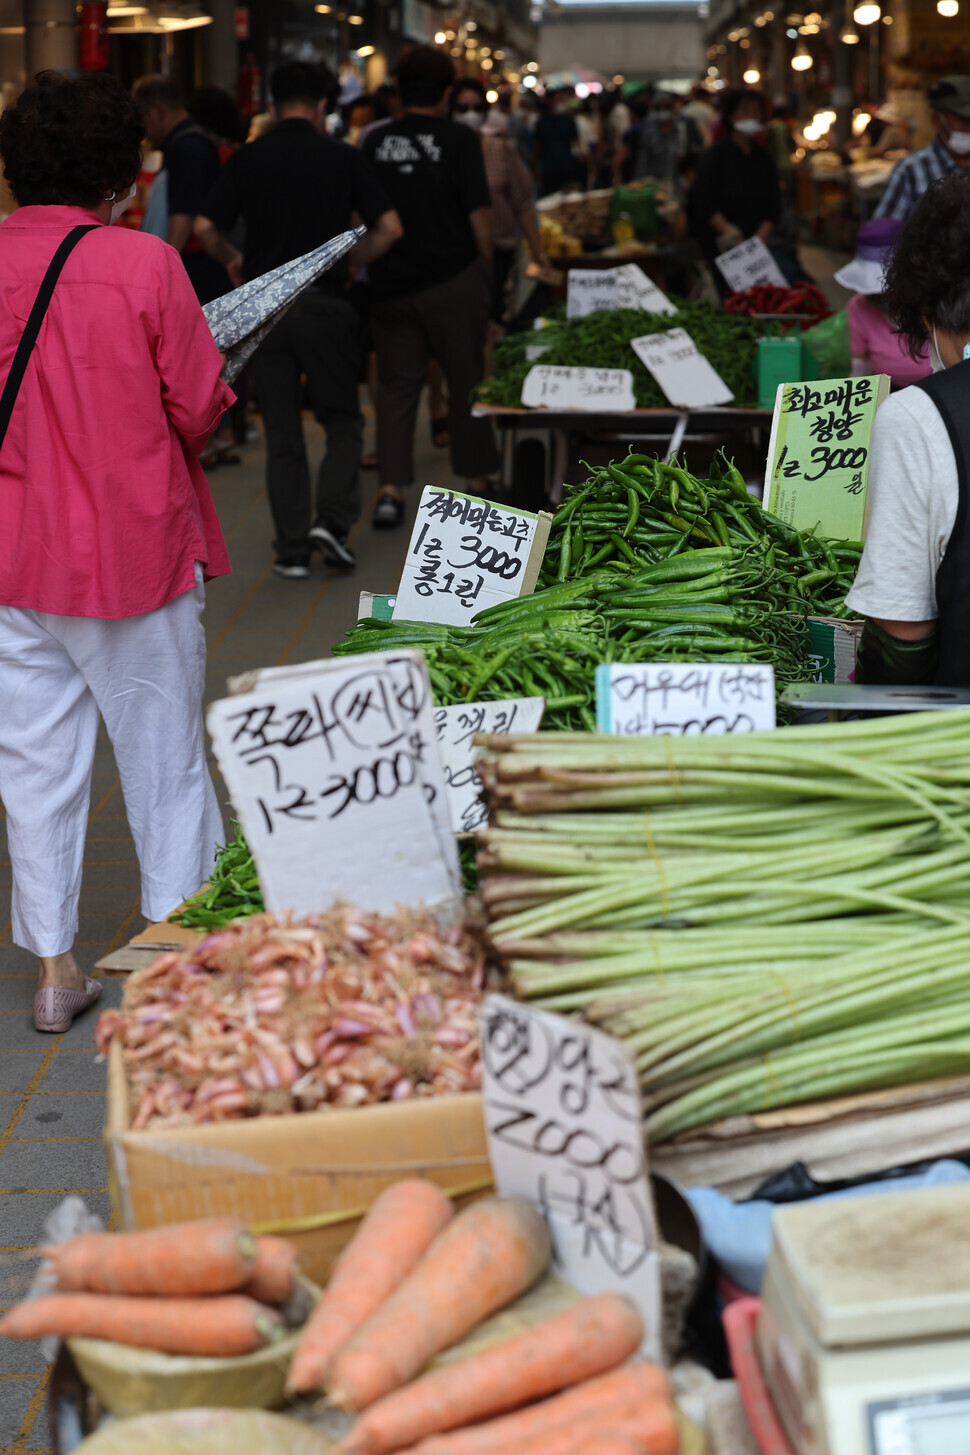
(596, 391)
(749, 264)
(465, 554)
(818, 454)
(687, 379)
(456, 727)
(646, 699)
(333, 772)
(565, 1130)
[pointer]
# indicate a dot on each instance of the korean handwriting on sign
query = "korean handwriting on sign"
(456, 729)
(366, 745)
(834, 416)
(493, 543)
(689, 701)
(567, 384)
(563, 1107)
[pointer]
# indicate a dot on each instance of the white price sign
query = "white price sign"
(465, 554)
(635, 290)
(565, 1130)
(749, 264)
(687, 379)
(590, 290)
(332, 769)
(456, 727)
(598, 391)
(683, 698)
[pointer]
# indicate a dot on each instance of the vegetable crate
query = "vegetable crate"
(834, 647)
(309, 1176)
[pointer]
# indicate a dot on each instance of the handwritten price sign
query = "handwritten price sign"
(747, 265)
(456, 728)
(684, 699)
(556, 386)
(466, 554)
(333, 771)
(564, 1123)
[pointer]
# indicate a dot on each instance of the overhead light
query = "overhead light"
(867, 12)
(745, 45)
(791, 34)
(186, 22)
(470, 25)
(810, 133)
(849, 36)
(712, 71)
(364, 51)
(323, 9)
(487, 66)
(949, 8)
(751, 76)
(456, 50)
(532, 66)
(499, 55)
(618, 80)
(355, 20)
(486, 50)
(491, 97)
(802, 59)
(529, 81)
(860, 121)
(887, 20)
(440, 38)
(115, 12)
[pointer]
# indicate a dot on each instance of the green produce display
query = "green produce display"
(232, 892)
(766, 920)
(602, 341)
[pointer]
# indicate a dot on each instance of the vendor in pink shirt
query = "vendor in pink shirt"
(107, 525)
(876, 349)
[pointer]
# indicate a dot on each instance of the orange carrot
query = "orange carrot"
(597, 1399)
(614, 1444)
(211, 1256)
(594, 1335)
(400, 1226)
(221, 1326)
(651, 1424)
(273, 1275)
(492, 1251)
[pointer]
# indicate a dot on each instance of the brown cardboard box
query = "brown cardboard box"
(309, 1175)
(140, 951)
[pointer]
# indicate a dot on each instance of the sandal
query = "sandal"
(55, 1006)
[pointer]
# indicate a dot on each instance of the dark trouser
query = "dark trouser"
(320, 339)
(448, 323)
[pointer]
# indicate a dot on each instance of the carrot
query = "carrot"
(594, 1335)
(400, 1226)
(273, 1276)
(214, 1255)
(597, 1399)
(221, 1326)
(615, 1444)
(492, 1251)
(651, 1425)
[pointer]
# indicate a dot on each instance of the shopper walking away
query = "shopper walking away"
(295, 189)
(109, 525)
(559, 157)
(190, 166)
(432, 291)
(948, 152)
(735, 193)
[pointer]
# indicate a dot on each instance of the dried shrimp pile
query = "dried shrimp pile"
(270, 1016)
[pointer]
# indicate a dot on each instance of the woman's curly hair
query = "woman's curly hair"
(928, 277)
(71, 140)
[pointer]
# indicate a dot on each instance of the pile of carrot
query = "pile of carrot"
(205, 1288)
(413, 1282)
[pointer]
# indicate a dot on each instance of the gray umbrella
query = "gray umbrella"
(240, 320)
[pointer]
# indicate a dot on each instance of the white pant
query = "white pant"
(145, 675)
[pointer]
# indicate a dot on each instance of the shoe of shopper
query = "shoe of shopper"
(293, 568)
(55, 1006)
(388, 512)
(333, 545)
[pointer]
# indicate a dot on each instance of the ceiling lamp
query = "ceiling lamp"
(440, 38)
(115, 12)
(355, 20)
(491, 97)
(751, 76)
(323, 9)
(948, 8)
(363, 51)
(802, 59)
(849, 36)
(867, 12)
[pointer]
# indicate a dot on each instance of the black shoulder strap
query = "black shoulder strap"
(29, 336)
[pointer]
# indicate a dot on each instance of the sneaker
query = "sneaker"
(333, 544)
(293, 568)
(388, 512)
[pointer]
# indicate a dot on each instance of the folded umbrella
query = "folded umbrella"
(240, 320)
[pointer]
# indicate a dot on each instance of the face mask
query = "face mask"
(936, 363)
(958, 142)
(751, 127)
(122, 206)
(474, 119)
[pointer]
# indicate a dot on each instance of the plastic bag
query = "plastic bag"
(826, 350)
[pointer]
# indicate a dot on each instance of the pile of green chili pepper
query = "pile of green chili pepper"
(232, 892)
(603, 341)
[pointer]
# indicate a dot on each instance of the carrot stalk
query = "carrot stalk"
(492, 1251)
(594, 1335)
(220, 1326)
(273, 1276)
(214, 1255)
(597, 1399)
(400, 1226)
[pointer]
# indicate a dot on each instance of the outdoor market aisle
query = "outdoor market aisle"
(51, 1087)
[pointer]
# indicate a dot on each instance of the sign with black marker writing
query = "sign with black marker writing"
(456, 727)
(334, 773)
(687, 379)
(465, 554)
(565, 1130)
(597, 391)
(598, 290)
(818, 456)
(645, 699)
(635, 290)
(749, 264)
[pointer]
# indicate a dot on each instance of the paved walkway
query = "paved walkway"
(51, 1087)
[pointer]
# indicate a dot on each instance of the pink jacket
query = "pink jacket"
(104, 508)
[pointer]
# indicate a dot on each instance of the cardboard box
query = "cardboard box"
(140, 951)
(834, 649)
(310, 1175)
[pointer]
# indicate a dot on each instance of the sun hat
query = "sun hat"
(893, 114)
(873, 245)
(952, 94)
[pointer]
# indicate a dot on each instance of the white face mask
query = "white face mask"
(122, 206)
(474, 119)
(958, 142)
(936, 363)
(748, 127)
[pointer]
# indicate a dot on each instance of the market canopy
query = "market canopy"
(240, 320)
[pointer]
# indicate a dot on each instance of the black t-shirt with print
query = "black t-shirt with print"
(434, 174)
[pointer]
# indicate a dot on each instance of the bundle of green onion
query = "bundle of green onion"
(766, 920)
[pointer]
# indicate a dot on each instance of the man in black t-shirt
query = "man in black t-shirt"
(295, 189)
(432, 291)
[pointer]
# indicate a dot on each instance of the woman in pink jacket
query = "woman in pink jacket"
(107, 527)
